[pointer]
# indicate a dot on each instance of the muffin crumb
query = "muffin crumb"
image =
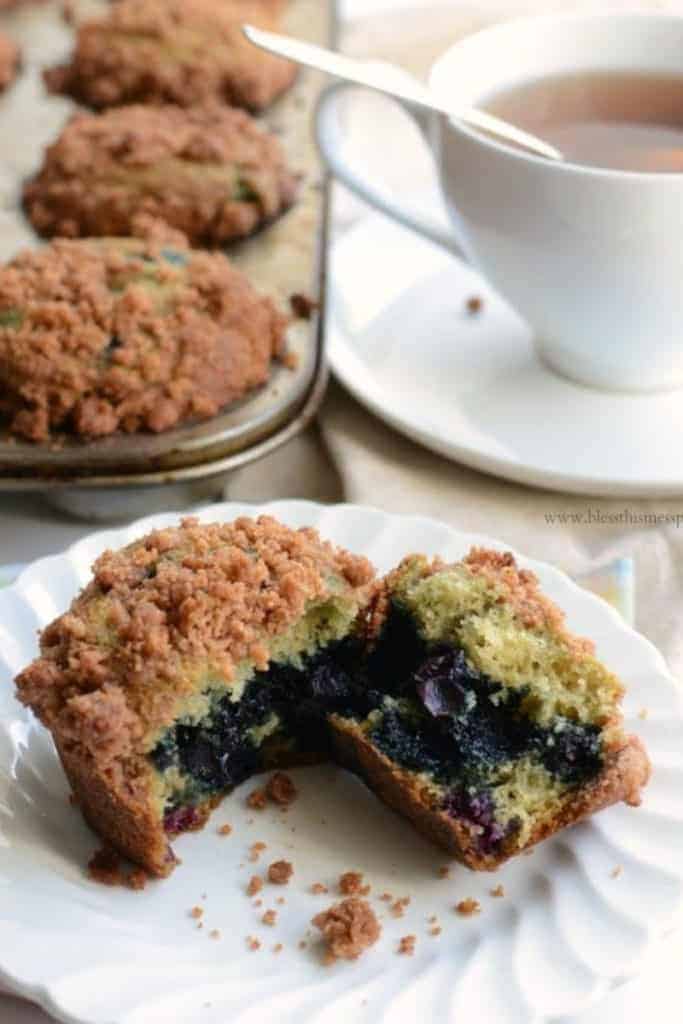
(348, 929)
(281, 789)
(214, 933)
(351, 884)
(225, 830)
(280, 872)
(197, 912)
(498, 892)
(444, 871)
(278, 948)
(269, 918)
(257, 799)
(616, 871)
(253, 943)
(319, 889)
(406, 945)
(255, 851)
(468, 907)
(475, 304)
(255, 885)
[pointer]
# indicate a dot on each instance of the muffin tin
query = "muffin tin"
(107, 477)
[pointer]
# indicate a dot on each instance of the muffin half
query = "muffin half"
(211, 173)
(487, 724)
(196, 657)
(187, 52)
(101, 336)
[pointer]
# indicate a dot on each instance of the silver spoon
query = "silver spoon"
(392, 81)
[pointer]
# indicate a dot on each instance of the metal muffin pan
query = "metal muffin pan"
(284, 258)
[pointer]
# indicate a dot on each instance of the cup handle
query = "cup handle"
(350, 170)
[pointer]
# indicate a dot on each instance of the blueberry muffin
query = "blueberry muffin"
(10, 61)
(211, 173)
(187, 52)
(194, 658)
(102, 336)
(490, 727)
(202, 654)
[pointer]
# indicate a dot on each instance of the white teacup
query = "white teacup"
(592, 258)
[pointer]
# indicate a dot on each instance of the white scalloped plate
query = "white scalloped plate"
(565, 932)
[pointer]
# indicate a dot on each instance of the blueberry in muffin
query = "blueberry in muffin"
(99, 336)
(490, 726)
(200, 655)
(196, 656)
(187, 52)
(211, 173)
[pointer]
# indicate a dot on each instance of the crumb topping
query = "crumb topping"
(105, 336)
(348, 929)
(187, 52)
(280, 872)
(207, 595)
(211, 173)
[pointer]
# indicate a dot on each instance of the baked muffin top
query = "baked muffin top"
(179, 51)
(100, 336)
(211, 173)
(179, 611)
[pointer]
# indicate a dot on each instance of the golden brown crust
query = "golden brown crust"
(625, 773)
(97, 337)
(187, 52)
(211, 173)
(10, 60)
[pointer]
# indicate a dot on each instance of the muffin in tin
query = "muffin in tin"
(211, 173)
(187, 52)
(98, 336)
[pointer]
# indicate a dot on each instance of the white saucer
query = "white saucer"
(471, 387)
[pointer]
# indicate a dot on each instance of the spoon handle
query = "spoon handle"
(392, 81)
